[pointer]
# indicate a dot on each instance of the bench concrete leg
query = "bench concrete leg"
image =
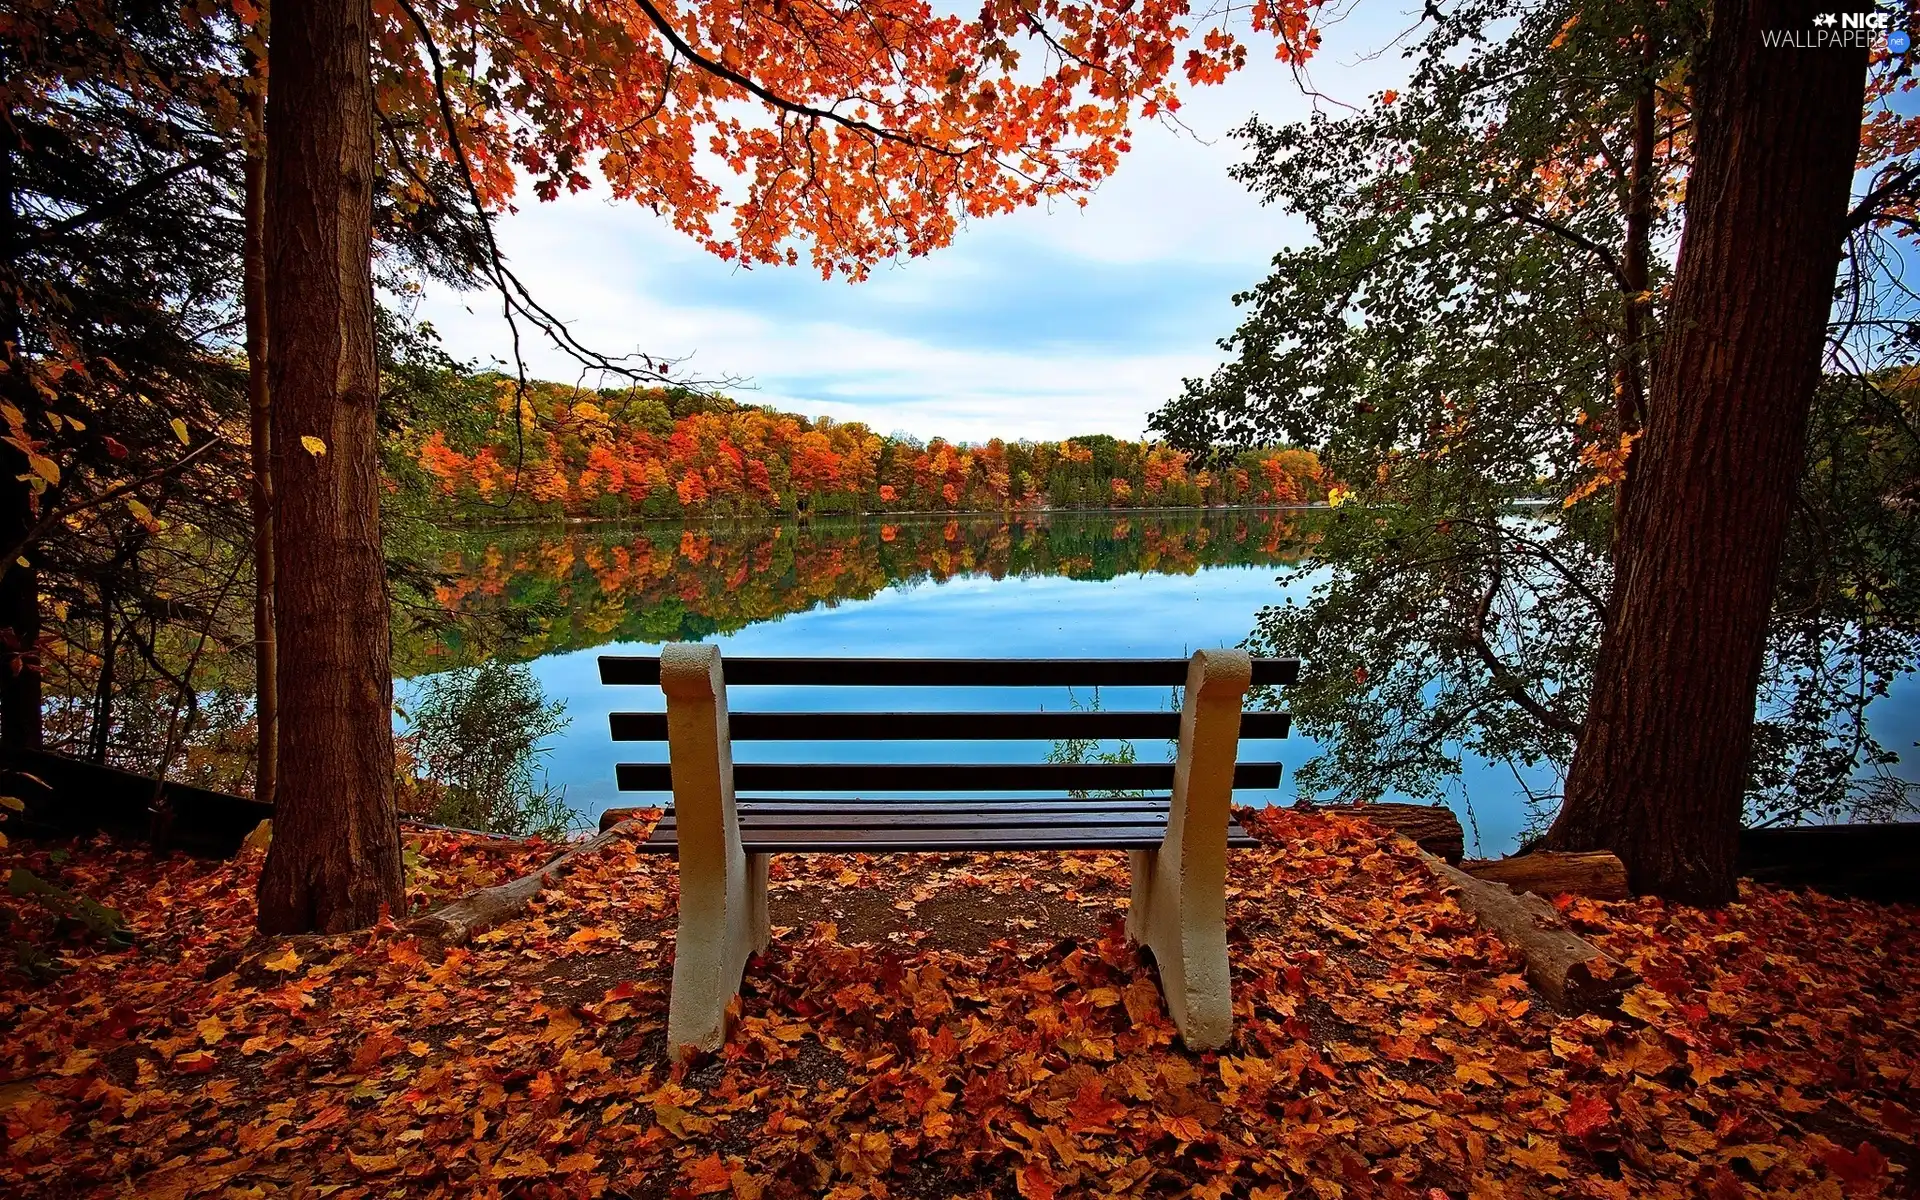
(1179, 908)
(723, 890)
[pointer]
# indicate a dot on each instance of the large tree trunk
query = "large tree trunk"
(335, 860)
(266, 687)
(1629, 376)
(1661, 769)
(19, 581)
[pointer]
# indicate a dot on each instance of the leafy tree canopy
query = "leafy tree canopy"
(1466, 340)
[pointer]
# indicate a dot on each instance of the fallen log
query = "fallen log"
(1572, 973)
(70, 797)
(1431, 827)
(455, 924)
(1872, 862)
(1598, 875)
(614, 816)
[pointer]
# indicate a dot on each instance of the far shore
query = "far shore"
(916, 514)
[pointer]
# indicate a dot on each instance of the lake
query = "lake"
(1104, 584)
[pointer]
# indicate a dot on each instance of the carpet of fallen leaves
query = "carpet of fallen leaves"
(953, 1025)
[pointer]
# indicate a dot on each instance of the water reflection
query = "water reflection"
(526, 593)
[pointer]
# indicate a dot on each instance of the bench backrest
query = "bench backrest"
(869, 726)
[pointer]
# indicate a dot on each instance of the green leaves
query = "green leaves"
(475, 736)
(1451, 338)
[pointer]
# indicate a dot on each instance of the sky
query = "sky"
(1041, 324)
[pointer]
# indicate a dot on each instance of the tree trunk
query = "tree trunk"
(19, 581)
(335, 860)
(1629, 380)
(1661, 769)
(98, 736)
(20, 688)
(254, 286)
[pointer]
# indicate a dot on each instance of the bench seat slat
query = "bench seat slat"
(942, 726)
(946, 672)
(983, 810)
(893, 840)
(958, 818)
(941, 777)
(987, 806)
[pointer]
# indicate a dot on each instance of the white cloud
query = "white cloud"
(904, 350)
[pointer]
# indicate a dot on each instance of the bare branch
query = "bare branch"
(125, 201)
(56, 516)
(1504, 679)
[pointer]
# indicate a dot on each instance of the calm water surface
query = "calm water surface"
(1054, 585)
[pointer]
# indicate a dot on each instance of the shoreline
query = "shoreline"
(1007, 516)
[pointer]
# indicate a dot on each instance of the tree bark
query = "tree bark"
(1629, 381)
(99, 735)
(335, 860)
(266, 687)
(1661, 769)
(19, 581)
(1596, 875)
(1432, 827)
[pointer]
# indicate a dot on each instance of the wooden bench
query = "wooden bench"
(1178, 840)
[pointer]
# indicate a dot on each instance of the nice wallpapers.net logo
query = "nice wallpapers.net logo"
(1835, 30)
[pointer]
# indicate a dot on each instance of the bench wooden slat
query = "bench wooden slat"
(946, 672)
(897, 840)
(942, 726)
(986, 806)
(942, 777)
(957, 817)
(982, 809)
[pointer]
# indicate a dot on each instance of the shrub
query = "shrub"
(475, 738)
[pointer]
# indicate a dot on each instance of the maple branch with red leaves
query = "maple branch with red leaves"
(739, 79)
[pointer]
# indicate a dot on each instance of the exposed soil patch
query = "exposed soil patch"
(940, 902)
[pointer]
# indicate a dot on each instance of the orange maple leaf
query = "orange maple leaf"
(1587, 1114)
(708, 1175)
(1036, 1182)
(1856, 1167)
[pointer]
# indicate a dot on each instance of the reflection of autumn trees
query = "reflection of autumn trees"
(659, 583)
(578, 452)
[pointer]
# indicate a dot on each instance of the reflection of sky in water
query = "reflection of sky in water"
(1137, 615)
(1036, 616)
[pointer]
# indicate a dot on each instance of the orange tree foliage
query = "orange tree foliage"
(624, 453)
(865, 130)
(965, 1026)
